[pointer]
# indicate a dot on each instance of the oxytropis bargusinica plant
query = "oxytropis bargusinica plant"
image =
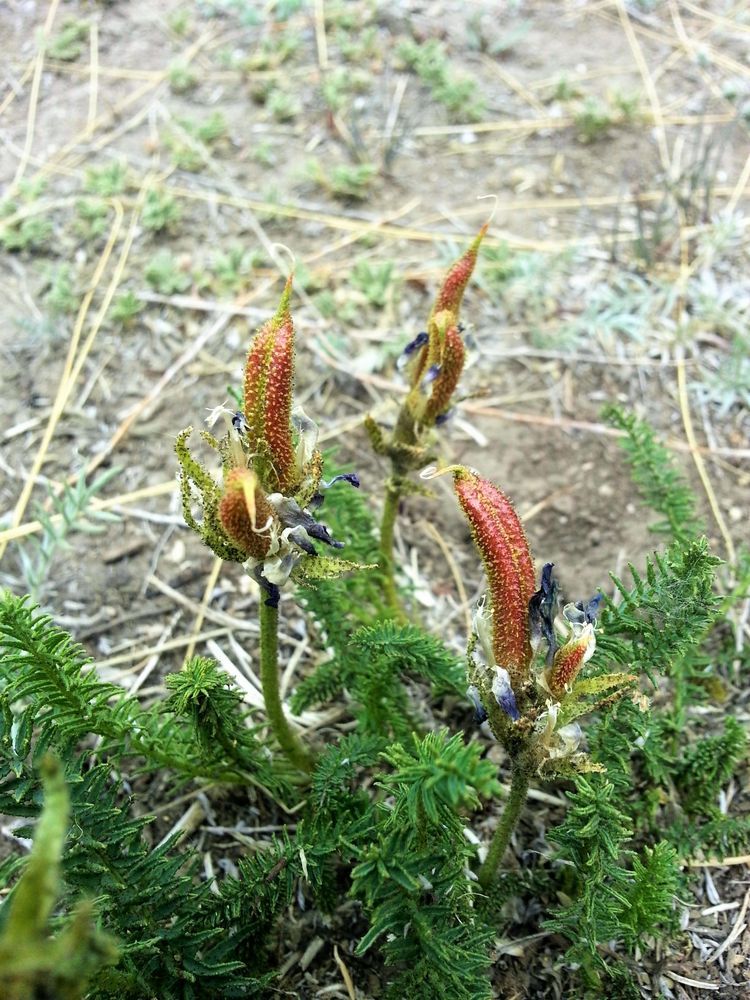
(271, 481)
(432, 362)
(380, 814)
(526, 656)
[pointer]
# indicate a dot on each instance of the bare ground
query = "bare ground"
(615, 142)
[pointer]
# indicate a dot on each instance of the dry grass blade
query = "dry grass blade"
(34, 97)
(66, 383)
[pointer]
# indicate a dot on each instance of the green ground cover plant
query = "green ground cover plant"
(595, 694)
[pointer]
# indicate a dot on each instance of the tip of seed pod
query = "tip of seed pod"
(481, 235)
(286, 295)
(461, 473)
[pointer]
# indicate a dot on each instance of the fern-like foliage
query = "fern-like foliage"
(707, 766)
(50, 695)
(172, 944)
(373, 667)
(717, 837)
(339, 823)
(415, 654)
(665, 614)
(265, 886)
(334, 786)
(591, 840)
(32, 962)
(175, 942)
(374, 663)
(656, 880)
(204, 697)
(611, 900)
(660, 482)
(346, 825)
(356, 599)
(672, 621)
(41, 665)
(670, 786)
(413, 876)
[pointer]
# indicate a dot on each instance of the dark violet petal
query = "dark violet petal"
(321, 533)
(592, 608)
(508, 705)
(411, 348)
(542, 609)
(504, 694)
(292, 515)
(301, 539)
(274, 594)
(430, 375)
(346, 477)
(443, 418)
(419, 341)
(238, 422)
(480, 712)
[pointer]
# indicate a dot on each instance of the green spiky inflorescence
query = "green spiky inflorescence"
(195, 479)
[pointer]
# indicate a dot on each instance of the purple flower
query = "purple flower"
(504, 695)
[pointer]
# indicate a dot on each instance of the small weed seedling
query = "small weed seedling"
(350, 182)
(181, 78)
(125, 308)
(161, 212)
(165, 274)
(67, 46)
(458, 93)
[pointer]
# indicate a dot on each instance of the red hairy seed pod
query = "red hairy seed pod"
(569, 659)
(505, 552)
(455, 282)
(243, 509)
(451, 366)
(269, 376)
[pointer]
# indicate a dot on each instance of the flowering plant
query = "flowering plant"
(526, 655)
(261, 513)
(381, 809)
(433, 362)
(530, 662)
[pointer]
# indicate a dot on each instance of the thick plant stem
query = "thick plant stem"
(387, 566)
(269, 679)
(518, 790)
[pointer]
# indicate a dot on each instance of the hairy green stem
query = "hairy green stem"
(387, 564)
(269, 679)
(519, 788)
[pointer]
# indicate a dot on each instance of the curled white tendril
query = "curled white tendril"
(484, 197)
(288, 252)
(433, 472)
(220, 412)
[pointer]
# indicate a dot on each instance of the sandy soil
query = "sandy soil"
(574, 222)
